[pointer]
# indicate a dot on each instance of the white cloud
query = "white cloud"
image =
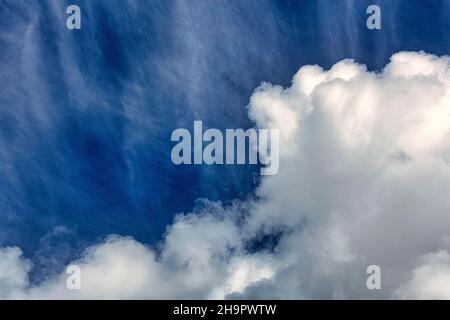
(13, 272)
(364, 176)
(364, 179)
(201, 257)
(430, 280)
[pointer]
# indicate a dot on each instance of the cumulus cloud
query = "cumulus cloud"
(13, 272)
(364, 179)
(201, 257)
(430, 280)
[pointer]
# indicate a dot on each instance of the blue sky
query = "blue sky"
(86, 115)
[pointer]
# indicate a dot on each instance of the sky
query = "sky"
(85, 172)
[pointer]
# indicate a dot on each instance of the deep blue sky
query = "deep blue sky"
(86, 116)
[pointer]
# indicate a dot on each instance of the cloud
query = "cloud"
(13, 272)
(364, 179)
(363, 173)
(430, 280)
(201, 257)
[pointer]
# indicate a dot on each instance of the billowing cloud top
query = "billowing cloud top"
(364, 179)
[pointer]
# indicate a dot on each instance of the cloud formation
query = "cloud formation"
(364, 179)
